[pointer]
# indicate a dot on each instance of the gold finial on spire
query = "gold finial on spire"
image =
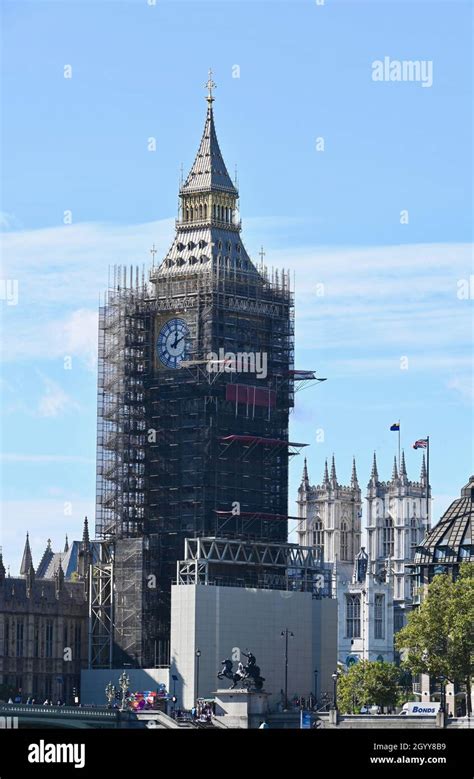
(210, 86)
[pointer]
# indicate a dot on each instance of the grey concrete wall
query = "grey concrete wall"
(223, 621)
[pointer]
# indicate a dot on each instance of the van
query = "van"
(420, 709)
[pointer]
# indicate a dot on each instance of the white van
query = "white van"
(420, 709)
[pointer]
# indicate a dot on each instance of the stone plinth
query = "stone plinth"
(241, 708)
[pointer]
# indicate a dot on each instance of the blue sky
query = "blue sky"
(391, 290)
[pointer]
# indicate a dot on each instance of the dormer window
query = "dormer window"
(190, 245)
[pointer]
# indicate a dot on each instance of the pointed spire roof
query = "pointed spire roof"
(326, 474)
(374, 476)
(85, 534)
(304, 478)
(394, 471)
(208, 171)
(423, 470)
(403, 469)
(354, 481)
(2, 567)
(27, 560)
(333, 472)
(45, 560)
(66, 545)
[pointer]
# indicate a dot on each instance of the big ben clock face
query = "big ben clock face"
(171, 344)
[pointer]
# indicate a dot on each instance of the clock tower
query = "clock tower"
(195, 387)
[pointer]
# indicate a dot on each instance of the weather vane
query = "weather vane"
(210, 86)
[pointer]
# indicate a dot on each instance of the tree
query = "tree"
(439, 637)
(367, 683)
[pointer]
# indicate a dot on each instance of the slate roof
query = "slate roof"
(197, 250)
(208, 170)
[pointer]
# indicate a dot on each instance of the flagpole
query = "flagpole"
(399, 444)
(427, 481)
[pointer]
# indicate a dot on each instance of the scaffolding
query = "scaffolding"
(101, 603)
(225, 562)
(164, 465)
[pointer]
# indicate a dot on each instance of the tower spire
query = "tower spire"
(304, 478)
(326, 474)
(403, 470)
(354, 481)
(394, 471)
(2, 567)
(423, 471)
(85, 534)
(333, 473)
(66, 545)
(374, 476)
(27, 560)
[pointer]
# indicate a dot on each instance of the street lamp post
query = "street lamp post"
(124, 682)
(198, 655)
(334, 678)
(442, 693)
(316, 686)
(110, 692)
(286, 632)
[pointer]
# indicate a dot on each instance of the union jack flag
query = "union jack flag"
(422, 443)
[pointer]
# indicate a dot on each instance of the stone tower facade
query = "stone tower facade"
(330, 515)
(398, 517)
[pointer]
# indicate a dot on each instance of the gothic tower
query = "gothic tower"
(195, 387)
(397, 520)
(330, 515)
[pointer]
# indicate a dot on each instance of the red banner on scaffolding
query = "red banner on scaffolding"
(251, 396)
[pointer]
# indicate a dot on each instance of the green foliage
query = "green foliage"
(367, 683)
(439, 636)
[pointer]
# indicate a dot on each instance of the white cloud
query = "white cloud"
(380, 302)
(12, 457)
(55, 401)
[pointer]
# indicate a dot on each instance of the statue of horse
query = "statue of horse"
(247, 676)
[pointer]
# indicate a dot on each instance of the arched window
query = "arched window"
(352, 616)
(205, 210)
(191, 213)
(387, 537)
(318, 535)
(344, 541)
(187, 214)
(413, 533)
(200, 211)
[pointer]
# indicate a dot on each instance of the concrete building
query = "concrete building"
(221, 621)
